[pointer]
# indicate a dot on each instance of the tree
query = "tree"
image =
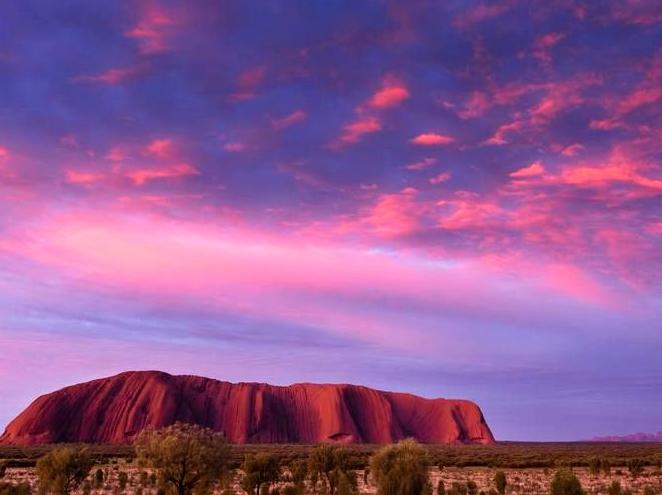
(12, 489)
(636, 467)
(401, 469)
(594, 465)
(122, 479)
(331, 466)
(186, 457)
(98, 478)
(3, 469)
(606, 467)
(614, 488)
(441, 488)
(259, 469)
(500, 482)
(63, 470)
(566, 483)
(472, 488)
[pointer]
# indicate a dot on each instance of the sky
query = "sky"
(456, 199)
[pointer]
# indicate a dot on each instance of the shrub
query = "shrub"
(18, 489)
(566, 483)
(636, 467)
(122, 479)
(614, 488)
(472, 488)
(606, 467)
(331, 466)
(458, 489)
(186, 457)
(500, 482)
(63, 470)
(98, 478)
(441, 488)
(260, 470)
(401, 469)
(594, 465)
(649, 490)
(3, 469)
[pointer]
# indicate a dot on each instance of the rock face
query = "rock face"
(115, 409)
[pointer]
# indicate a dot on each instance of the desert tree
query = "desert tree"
(330, 465)
(186, 457)
(472, 488)
(636, 467)
(401, 469)
(606, 467)
(261, 469)
(15, 489)
(500, 482)
(122, 479)
(594, 465)
(63, 469)
(615, 488)
(566, 483)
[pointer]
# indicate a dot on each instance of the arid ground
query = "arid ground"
(529, 468)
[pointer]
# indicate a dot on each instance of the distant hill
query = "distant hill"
(633, 437)
(115, 409)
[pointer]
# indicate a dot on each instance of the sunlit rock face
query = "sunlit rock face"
(115, 409)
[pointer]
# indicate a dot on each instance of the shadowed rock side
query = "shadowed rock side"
(115, 409)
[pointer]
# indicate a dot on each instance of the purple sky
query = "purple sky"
(456, 199)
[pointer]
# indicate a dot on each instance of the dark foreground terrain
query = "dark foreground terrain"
(529, 467)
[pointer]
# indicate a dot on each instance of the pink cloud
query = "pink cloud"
(439, 178)
(396, 214)
(543, 45)
(468, 211)
(248, 83)
(111, 76)
(141, 176)
(500, 135)
(289, 120)
(481, 12)
(161, 148)
(82, 178)
(432, 139)
(4, 153)
(572, 150)
(153, 30)
(605, 124)
(536, 168)
(392, 94)
(235, 147)
(476, 106)
(421, 164)
(116, 154)
(354, 131)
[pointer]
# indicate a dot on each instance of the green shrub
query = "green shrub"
(566, 483)
(187, 457)
(260, 472)
(63, 469)
(332, 467)
(472, 488)
(636, 467)
(614, 488)
(401, 469)
(500, 481)
(12, 489)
